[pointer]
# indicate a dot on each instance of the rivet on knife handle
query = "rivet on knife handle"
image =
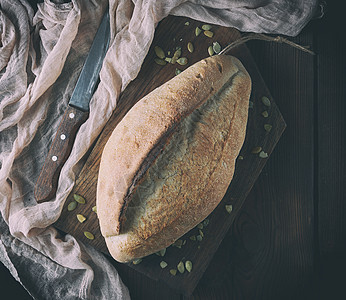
(58, 153)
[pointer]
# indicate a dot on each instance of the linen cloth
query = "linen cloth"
(41, 56)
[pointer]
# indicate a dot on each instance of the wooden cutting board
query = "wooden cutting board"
(200, 244)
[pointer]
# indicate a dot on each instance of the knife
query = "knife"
(75, 115)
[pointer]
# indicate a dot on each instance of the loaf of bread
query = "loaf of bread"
(170, 160)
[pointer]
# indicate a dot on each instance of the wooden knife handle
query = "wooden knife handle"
(47, 182)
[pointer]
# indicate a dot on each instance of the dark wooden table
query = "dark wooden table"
(289, 240)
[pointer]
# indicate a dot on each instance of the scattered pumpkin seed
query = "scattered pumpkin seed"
(160, 61)
(266, 101)
(182, 61)
(81, 218)
(168, 52)
(190, 47)
(240, 157)
(168, 59)
(193, 238)
(162, 252)
(187, 23)
(159, 52)
(201, 233)
(208, 33)
(250, 104)
(256, 150)
(89, 235)
(176, 55)
(265, 114)
(199, 238)
(178, 243)
(79, 198)
(188, 266)
(184, 242)
(206, 27)
(216, 47)
(229, 208)
(94, 209)
(173, 272)
(200, 226)
(163, 264)
(263, 154)
(210, 50)
(181, 267)
(177, 71)
(206, 222)
(268, 127)
(137, 261)
(198, 31)
(72, 205)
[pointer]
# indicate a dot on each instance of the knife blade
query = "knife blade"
(75, 115)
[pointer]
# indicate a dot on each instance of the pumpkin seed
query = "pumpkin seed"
(256, 150)
(184, 242)
(240, 157)
(94, 209)
(201, 233)
(265, 114)
(267, 127)
(206, 222)
(188, 266)
(250, 104)
(162, 252)
(160, 61)
(198, 31)
(178, 243)
(193, 238)
(163, 264)
(173, 272)
(200, 226)
(266, 101)
(263, 154)
(81, 218)
(168, 59)
(176, 55)
(210, 50)
(229, 208)
(177, 71)
(216, 47)
(208, 33)
(79, 198)
(182, 61)
(190, 47)
(159, 52)
(206, 27)
(137, 261)
(72, 205)
(181, 267)
(89, 235)
(199, 238)
(187, 23)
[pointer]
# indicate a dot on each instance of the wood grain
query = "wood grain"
(173, 32)
(330, 158)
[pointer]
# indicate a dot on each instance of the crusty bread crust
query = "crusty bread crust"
(170, 160)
